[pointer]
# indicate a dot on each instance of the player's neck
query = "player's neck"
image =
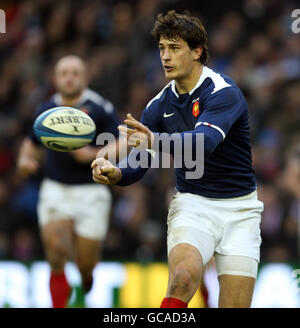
(70, 101)
(188, 83)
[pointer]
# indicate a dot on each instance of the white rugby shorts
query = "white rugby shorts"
(88, 205)
(216, 226)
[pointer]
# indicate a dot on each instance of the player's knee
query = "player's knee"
(57, 251)
(182, 279)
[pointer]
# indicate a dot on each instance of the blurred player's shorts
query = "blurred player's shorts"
(88, 205)
(229, 227)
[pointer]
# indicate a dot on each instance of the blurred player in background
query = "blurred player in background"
(73, 211)
(218, 214)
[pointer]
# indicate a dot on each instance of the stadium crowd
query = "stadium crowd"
(250, 40)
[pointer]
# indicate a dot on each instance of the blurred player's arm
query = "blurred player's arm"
(85, 155)
(29, 158)
(116, 150)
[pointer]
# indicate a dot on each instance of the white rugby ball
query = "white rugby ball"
(64, 129)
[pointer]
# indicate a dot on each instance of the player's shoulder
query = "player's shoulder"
(213, 81)
(96, 102)
(219, 87)
(159, 98)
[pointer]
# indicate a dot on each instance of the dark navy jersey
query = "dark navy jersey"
(214, 107)
(63, 167)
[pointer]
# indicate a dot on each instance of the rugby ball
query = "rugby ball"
(64, 129)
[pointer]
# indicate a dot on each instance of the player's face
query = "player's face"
(177, 58)
(70, 77)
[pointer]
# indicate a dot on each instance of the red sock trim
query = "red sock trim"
(171, 302)
(59, 289)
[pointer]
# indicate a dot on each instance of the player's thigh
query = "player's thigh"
(240, 227)
(87, 253)
(93, 204)
(55, 216)
(236, 291)
(237, 276)
(189, 225)
(91, 224)
(57, 237)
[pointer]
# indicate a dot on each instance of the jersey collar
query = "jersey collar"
(81, 100)
(203, 76)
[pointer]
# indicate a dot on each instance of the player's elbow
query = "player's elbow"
(210, 144)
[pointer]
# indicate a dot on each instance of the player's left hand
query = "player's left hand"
(104, 172)
(138, 136)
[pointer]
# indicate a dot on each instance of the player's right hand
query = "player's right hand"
(27, 165)
(104, 172)
(137, 136)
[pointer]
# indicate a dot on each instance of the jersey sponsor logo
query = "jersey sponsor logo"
(196, 110)
(168, 115)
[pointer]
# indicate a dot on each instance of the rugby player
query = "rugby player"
(218, 214)
(73, 211)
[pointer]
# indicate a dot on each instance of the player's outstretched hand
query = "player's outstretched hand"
(137, 136)
(27, 166)
(104, 172)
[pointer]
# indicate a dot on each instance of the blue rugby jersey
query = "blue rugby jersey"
(217, 108)
(62, 167)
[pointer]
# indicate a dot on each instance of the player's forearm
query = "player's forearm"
(115, 151)
(131, 176)
(29, 150)
(29, 158)
(188, 141)
(85, 155)
(133, 168)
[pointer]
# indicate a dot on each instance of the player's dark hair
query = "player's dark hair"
(173, 25)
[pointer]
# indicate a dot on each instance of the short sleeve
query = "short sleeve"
(221, 110)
